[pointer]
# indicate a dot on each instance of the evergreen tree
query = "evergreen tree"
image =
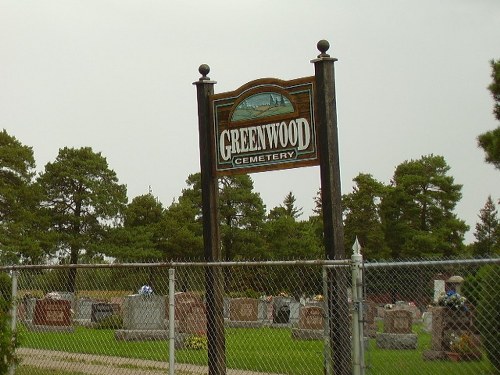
(288, 208)
(487, 230)
(241, 213)
(19, 198)
(490, 141)
(417, 210)
(135, 241)
(362, 217)
(83, 199)
(180, 234)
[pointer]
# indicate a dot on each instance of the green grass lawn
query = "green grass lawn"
(263, 349)
(27, 370)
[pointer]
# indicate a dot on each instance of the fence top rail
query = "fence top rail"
(446, 262)
(318, 262)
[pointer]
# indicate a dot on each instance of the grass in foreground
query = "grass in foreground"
(264, 349)
(28, 370)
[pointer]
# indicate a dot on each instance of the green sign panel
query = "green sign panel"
(267, 124)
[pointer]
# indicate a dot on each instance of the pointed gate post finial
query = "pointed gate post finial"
(356, 247)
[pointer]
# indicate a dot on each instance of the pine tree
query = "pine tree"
(487, 230)
(490, 141)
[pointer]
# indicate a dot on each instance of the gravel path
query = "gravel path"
(105, 365)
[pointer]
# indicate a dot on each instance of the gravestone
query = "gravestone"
(281, 309)
(265, 312)
(182, 302)
(439, 289)
(370, 327)
(445, 322)
(244, 312)
(143, 318)
(52, 315)
(194, 319)
(311, 317)
(227, 302)
(243, 309)
(100, 311)
(398, 321)
(427, 321)
(29, 309)
(83, 310)
(415, 311)
(117, 303)
(143, 312)
(311, 324)
(397, 331)
(294, 312)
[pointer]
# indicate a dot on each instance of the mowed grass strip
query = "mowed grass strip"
(264, 349)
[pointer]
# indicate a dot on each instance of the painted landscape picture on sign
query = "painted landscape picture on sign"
(267, 124)
(266, 104)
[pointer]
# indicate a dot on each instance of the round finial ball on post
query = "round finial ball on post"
(204, 69)
(323, 46)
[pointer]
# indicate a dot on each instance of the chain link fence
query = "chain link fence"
(402, 317)
(431, 317)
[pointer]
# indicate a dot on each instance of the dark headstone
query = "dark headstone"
(244, 309)
(194, 319)
(51, 312)
(398, 321)
(311, 317)
(100, 311)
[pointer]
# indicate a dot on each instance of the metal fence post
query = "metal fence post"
(327, 348)
(13, 314)
(171, 321)
(357, 311)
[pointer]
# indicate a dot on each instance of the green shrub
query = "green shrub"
(487, 313)
(114, 321)
(8, 340)
(196, 342)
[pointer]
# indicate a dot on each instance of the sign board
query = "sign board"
(266, 124)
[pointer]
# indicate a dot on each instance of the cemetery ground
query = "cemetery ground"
(260, 350)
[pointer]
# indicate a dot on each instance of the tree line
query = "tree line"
(77, 211)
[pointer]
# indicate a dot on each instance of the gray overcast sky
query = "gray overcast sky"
(117, 75)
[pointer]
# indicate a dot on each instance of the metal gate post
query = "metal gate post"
(357, 310)
(171, 321)
(13, 315)
(327, 357)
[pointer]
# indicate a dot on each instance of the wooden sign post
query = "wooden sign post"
(270, 124)
(331, 198)
(214, 280)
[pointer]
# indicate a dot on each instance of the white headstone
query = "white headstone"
(144, 312)
(439, 289)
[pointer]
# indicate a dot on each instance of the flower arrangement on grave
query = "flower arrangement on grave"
(453, 300)
(145, 290)
(465, 346)
(196, 342)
